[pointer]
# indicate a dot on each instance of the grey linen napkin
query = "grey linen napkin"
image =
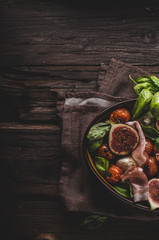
(79, 188)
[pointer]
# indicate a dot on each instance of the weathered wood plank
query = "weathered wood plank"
(30, 127)
(40, 38)
(30, 158)
(30, 93)
(33, 91)
(26, 8)
(75, 39)
(26, 219)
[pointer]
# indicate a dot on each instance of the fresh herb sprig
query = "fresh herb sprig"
(147, 89)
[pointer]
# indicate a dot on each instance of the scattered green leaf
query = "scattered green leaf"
(94, 221)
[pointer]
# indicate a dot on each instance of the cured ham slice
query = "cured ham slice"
(139, 154)
(138, 181)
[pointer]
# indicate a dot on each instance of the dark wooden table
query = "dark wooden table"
(49, 47)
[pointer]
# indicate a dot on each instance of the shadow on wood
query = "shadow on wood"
(8, 110)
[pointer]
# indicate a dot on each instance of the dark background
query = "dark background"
(48, 47)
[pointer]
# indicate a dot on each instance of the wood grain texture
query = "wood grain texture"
(32, 217)
(33, 90)
(30, 93)
(47, 33)
(30, 158)
(49, 47)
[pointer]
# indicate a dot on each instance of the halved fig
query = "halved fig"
(123, 139)
(153, 196)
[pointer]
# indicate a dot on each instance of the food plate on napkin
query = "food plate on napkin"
(120, 148)
(80, 190)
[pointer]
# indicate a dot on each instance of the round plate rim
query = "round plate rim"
(113, 192)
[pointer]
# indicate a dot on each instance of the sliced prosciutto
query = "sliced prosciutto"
(138, 181)
(139, 154)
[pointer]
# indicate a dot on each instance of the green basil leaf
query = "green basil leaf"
(94, 221)
(142, 104)
(98, 131)
(146, 79)
(93, 145)
(146, 85)
(154, 106)
(143, 79)
(101, 164)
(150, 132)
(123, 189)
(131, 192)
(157, 143)
(155, 80)
(147, 120)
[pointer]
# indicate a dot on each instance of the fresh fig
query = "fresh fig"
(123, 139)
(153, 196)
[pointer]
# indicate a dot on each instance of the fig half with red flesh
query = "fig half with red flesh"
(123, 139)
(153, 196)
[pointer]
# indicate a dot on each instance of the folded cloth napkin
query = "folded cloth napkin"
(79, 188)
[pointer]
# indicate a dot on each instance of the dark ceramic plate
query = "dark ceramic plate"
(144, 206)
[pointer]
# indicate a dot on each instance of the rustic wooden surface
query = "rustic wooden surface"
(49, 47)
